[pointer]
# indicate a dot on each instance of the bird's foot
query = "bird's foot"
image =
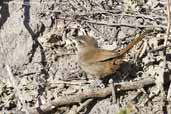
(96, 83)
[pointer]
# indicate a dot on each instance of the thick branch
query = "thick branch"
(91, 93)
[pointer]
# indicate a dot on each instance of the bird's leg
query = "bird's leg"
(97, 83)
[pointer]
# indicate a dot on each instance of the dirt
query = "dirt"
(36, 42)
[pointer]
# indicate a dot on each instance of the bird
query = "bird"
(98, 62)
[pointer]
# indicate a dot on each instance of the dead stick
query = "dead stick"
(169, 93)
(126, 25)
(91, 93)
(168, 23)
(164, 59)
(167, 33)
(116, 24)
(114, 100)
(82, 106)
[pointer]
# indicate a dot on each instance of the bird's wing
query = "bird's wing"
(99, 55)
(103, 55)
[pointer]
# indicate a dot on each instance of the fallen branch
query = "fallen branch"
(126, 25)
(91, 93)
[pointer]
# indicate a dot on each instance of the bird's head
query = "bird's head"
(85, 42)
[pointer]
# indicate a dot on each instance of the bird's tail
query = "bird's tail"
(134, 42)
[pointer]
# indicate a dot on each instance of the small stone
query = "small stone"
(121, 35)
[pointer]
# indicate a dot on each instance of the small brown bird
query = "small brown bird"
(100, 62)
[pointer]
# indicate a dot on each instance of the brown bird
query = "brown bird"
(99, 62)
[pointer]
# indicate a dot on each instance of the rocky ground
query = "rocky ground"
(38, 65)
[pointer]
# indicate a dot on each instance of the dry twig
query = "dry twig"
(106, 23)
(123, 24)
(168, 23)
(169, 93)
(73, 82)
(143, 49)
(167, 37)
(160, 79)
(114, 100)
(84, 105)
(161, 82)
